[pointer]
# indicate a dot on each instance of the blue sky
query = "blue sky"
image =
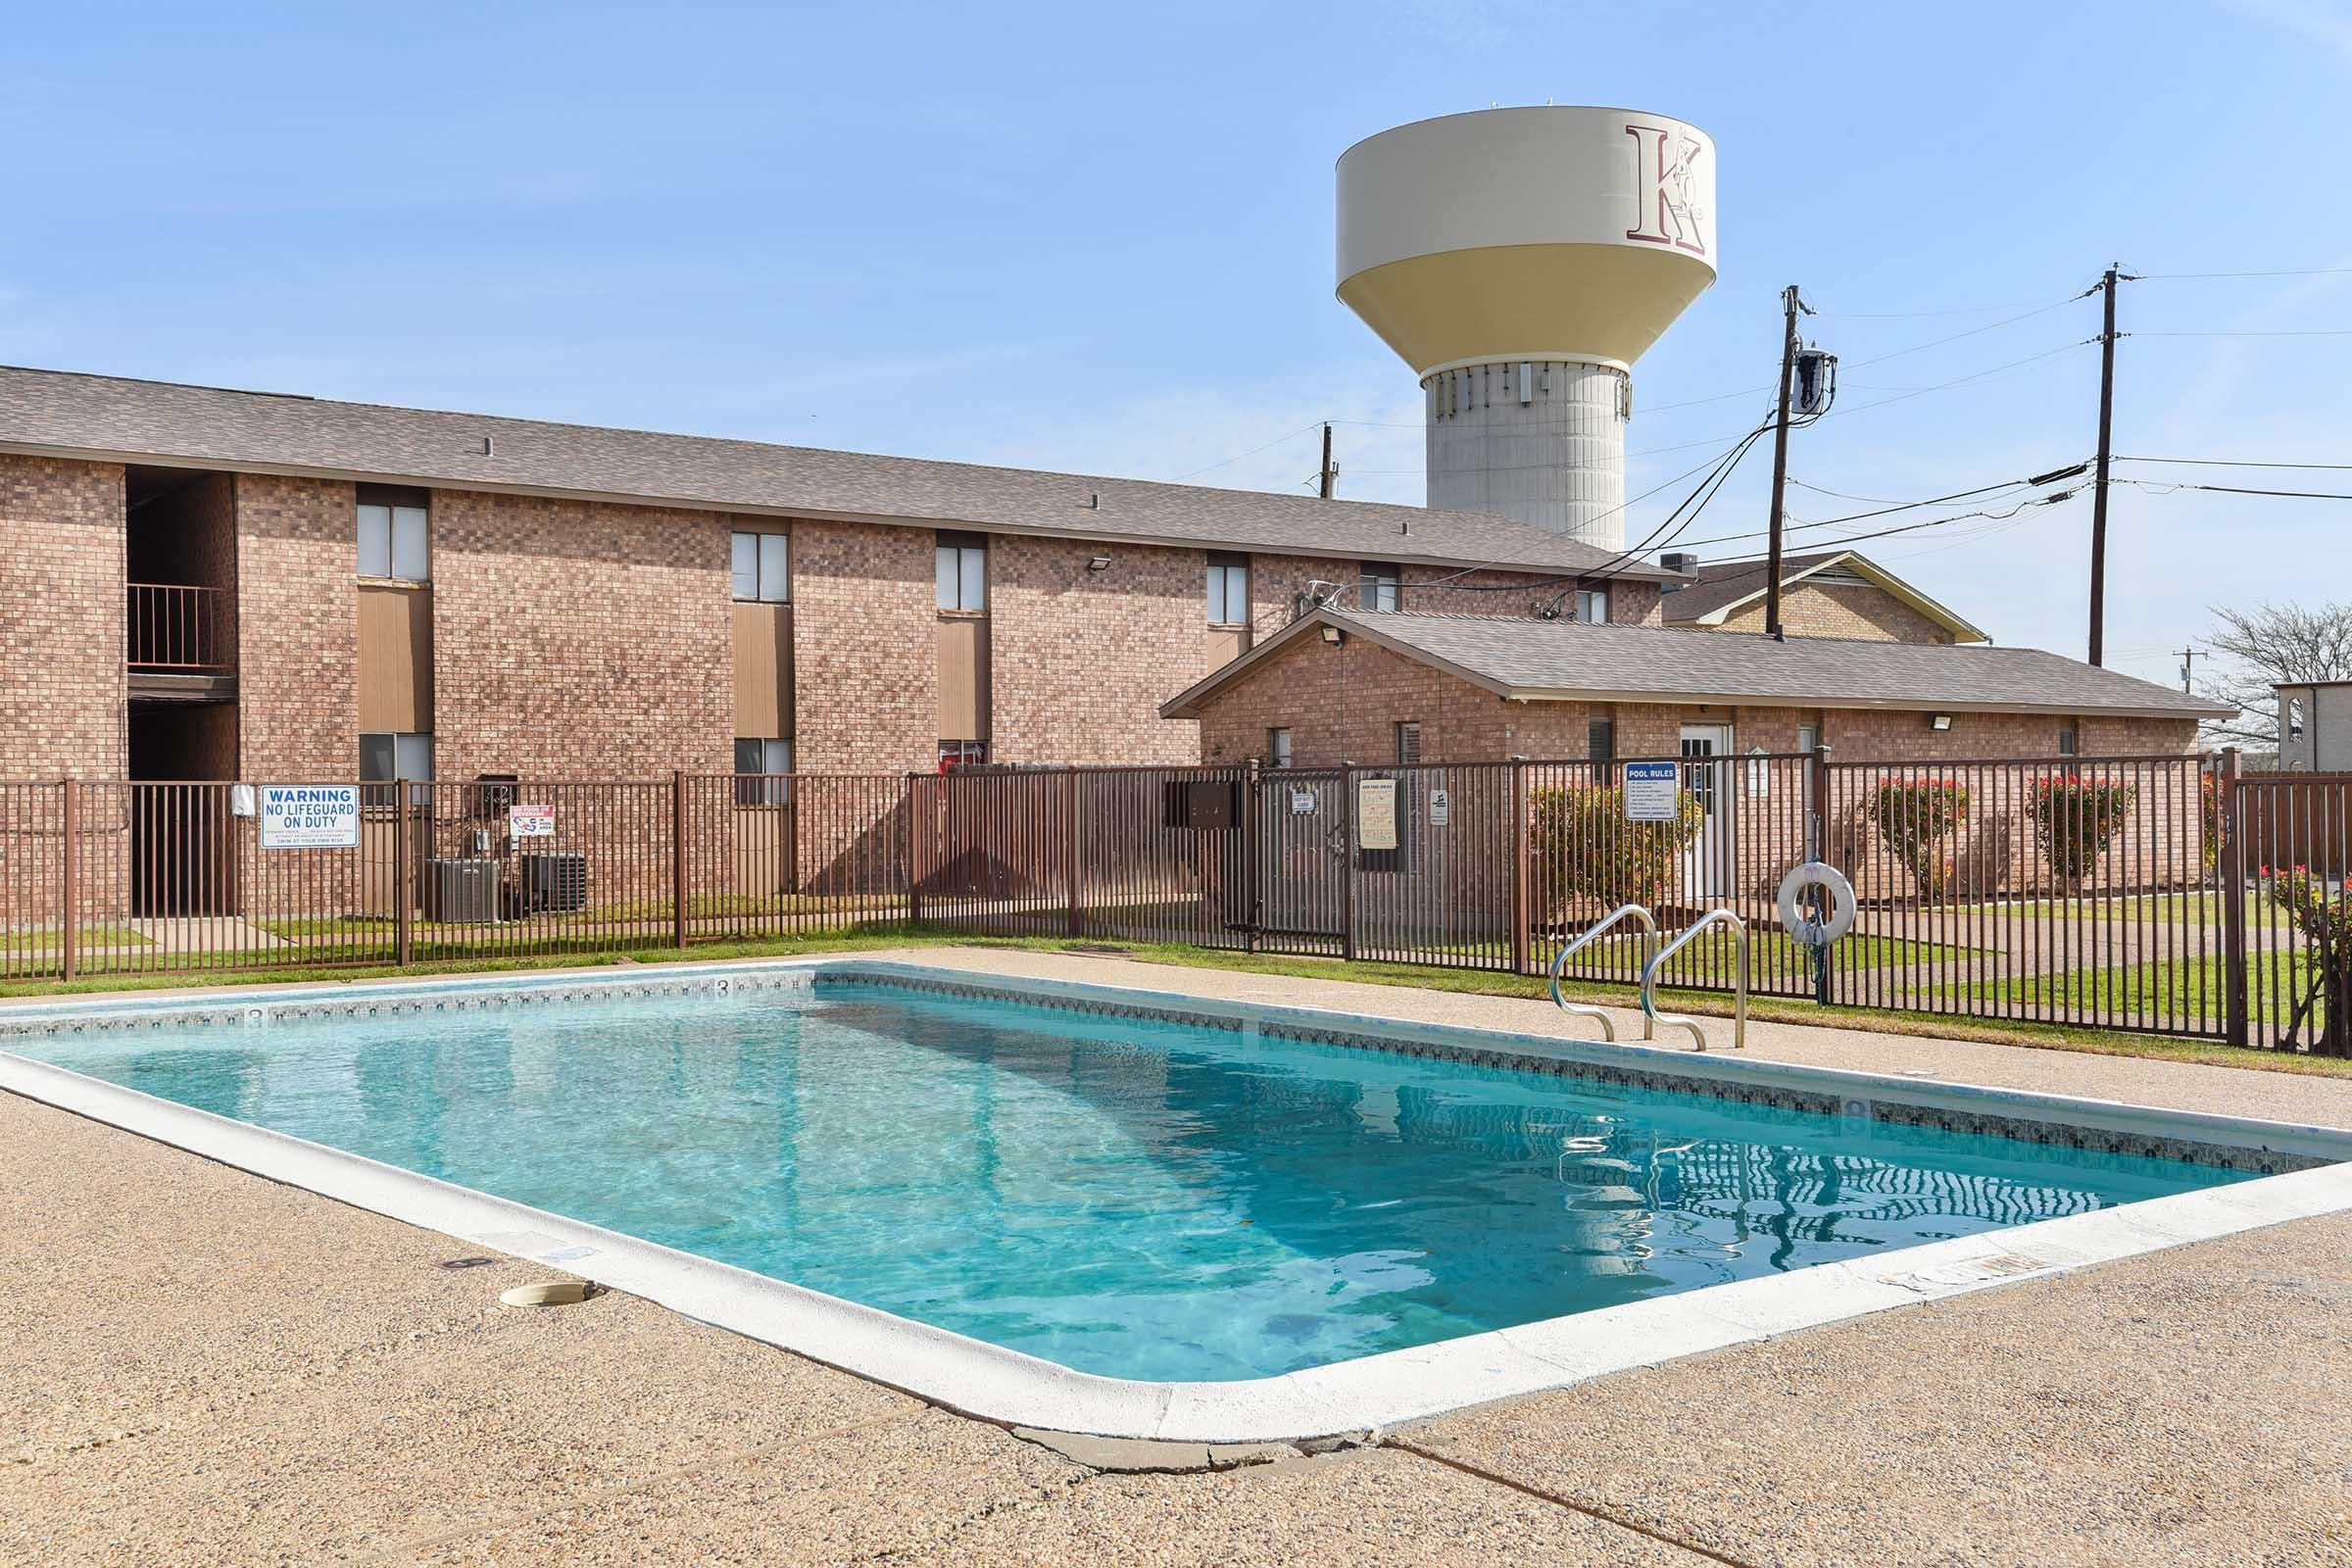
(1099, 238)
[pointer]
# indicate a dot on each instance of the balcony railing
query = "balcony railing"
(176, 629)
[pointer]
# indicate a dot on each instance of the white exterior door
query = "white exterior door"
(1707, 773)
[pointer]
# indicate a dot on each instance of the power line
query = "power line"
(2285, 272)
(2163, 488)
(1704, 492)
(1252, 453)
(2320, 331)
(2239, 462)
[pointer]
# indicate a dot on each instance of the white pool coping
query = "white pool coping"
(1345, 1397)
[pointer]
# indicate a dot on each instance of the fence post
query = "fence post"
(404, 874)
(1520, 936)
(1069, 841)
(914, 870)
(2233, 894)
(1347, 861)
(69, 956)
(1253, 783)
(677, 858)
(1817, 848)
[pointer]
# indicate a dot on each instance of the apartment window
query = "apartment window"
(392, 538)
(763, 567)
(1592, 606)
(1600, 740)
(1409, 743)
(756, 759)
(386, 757)
(953, 755)
(963, 572)
(2067, 742)
(1278, 747)
(1228, 590)
(1376, 588)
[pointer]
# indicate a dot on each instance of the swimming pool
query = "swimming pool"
(1129, 1189)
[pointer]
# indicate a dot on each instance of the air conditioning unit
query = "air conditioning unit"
(460, 892)
(555, 879)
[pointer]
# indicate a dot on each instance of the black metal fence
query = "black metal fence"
(2162, 894)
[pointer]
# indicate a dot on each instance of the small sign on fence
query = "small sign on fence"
(1375, 814)
(530, 822)
(310, 816)
(1651, 789)
(1441, 807)
(1302, 802)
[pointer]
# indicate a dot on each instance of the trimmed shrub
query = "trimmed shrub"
(2325, 919)
(1578, 836)
(1914, 817)
(2075, 819)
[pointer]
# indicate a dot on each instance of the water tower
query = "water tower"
(1520, 259)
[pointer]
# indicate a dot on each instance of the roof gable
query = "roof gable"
(1715, 592)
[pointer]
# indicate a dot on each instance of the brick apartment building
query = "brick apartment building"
(207, 584)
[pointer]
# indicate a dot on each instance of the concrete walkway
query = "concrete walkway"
(199, 1366)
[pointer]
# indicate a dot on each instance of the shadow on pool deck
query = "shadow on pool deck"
(199, 1366)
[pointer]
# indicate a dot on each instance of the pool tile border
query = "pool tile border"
(1345, 1397)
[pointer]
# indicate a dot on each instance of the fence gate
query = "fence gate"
(1301, 870)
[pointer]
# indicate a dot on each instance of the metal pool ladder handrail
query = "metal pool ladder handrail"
(1608, 1030)
(1649, 978)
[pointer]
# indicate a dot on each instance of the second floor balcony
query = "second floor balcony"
(181, 640)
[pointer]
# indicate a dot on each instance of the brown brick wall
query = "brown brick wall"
(865, 650)
(576, 638)
(298, 618)
(1343, 705)
(1833, 610)
(1080, 660)
(61, 619)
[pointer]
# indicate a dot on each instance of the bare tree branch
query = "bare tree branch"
(2271, 645)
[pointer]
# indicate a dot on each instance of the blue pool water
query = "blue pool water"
(1134, 1198)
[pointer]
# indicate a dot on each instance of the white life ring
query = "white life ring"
(1821, 874)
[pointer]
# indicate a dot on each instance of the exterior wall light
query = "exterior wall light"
(1333, 636)
(1098, 564)
(1941, 722)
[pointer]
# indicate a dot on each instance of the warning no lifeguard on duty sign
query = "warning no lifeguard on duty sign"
(310, 816)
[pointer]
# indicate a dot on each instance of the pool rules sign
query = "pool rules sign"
(1651, 790)
(310, 816)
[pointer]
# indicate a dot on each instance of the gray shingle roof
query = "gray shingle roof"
(1565, 658)
(63, 414)
(1715, 584)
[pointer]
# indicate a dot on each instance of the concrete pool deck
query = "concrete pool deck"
(199, 1366)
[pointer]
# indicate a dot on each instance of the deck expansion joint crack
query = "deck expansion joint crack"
(1592, 1510)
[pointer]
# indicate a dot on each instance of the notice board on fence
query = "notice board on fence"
(1651, 790)
(1375, 814)
(310, 816)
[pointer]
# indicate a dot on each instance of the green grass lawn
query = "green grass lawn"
(2137, 908)
(46, 940)
(1713, 957)
(2156, 990)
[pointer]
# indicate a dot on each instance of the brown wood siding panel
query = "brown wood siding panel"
(1225, 645)
(963, 678)
(396, 659)
(764, 670)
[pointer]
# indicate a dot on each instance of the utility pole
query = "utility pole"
(2099, 497)
(1331, 476)
(2188, 663)
(1790, 306)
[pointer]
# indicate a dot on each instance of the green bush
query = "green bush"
(1914, 817)
(1583, 847)
(2075, 819)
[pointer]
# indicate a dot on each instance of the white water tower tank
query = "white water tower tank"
(1520, 259)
